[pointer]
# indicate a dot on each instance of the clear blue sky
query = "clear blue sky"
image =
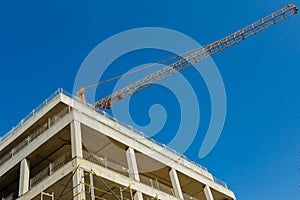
(43, 43)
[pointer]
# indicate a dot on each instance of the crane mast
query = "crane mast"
(196, 56)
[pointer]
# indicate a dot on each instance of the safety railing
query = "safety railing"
(33, 135)
(32, 113)
(220, 182)
(105, 162)
(154, 183)
(39, 177)
(51, 168)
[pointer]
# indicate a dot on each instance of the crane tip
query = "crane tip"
(294, 7)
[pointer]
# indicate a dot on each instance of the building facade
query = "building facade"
(66, 150)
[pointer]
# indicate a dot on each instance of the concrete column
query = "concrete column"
(132, 165)
(76, 139)
(78, 185)
(49, 122)
(175, 183)
(138, 196)
(76, 146)
(92, 187)
(133, 170)
(208, 193)
(24, 176)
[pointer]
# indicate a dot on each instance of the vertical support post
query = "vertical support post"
(76, 139)
(138, 196)
(132, 165)
(49, 122)
(208, 193)
(78, 184)
(50, 168)
(76, 145)
(175, 183)
(121, 194)
(105, 161)
(92, 187)
(133, 170)
(24, 176)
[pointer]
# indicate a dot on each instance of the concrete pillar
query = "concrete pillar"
(78, 185)
(133, 170)
(138, 196)
(76, 146)
(92, 187)
(76, 139)
(208, 193)
(24, 176)
(175, 183)
(49, 122)
(132, 165)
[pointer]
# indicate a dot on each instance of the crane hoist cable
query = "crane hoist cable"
(192, 57)
(81, 91)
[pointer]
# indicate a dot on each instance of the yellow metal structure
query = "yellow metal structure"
(187, 59)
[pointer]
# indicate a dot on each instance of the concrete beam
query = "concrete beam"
(156, 152)
(106, 122)
(24, 176)
(175, 183)
(208, 193)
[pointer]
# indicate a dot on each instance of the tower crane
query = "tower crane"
(187, 59)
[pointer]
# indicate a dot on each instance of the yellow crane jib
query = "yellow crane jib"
(189, 58)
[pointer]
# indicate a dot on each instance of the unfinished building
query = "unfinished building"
(66, 150)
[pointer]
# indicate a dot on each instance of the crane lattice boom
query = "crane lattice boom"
(196, 56)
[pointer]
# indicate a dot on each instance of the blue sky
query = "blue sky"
(43, 43)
